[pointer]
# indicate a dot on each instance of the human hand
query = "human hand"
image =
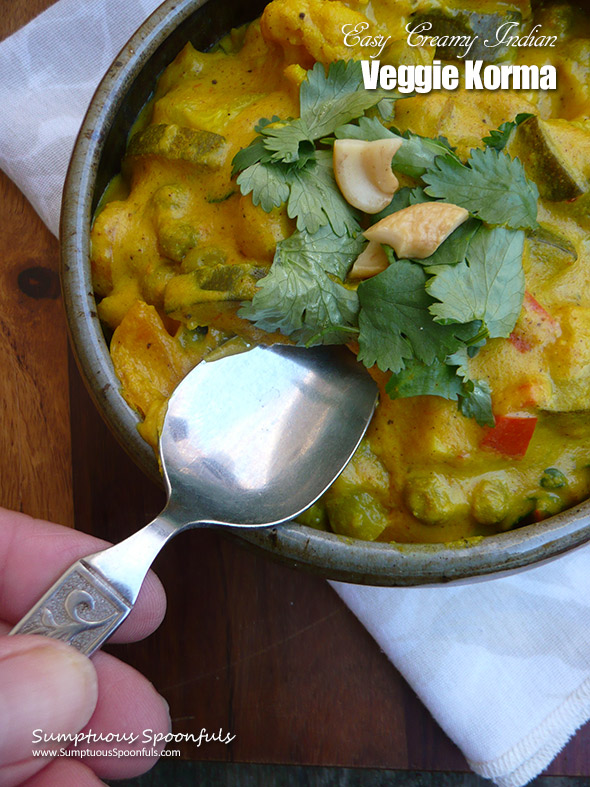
(49, 686)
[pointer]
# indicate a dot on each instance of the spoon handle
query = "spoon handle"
(95, 595)
(81, 608)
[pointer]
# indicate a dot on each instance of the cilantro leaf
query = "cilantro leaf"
(369, 129)
(402, 198)
(488, 286)
(316, 200)
(303, 295)
(419, 328)
(419, 379)
(454, 248)
(499, 137)
(417, 195)
(475, 397)
(396, 324)
(449, 380)
(282, 164)
(278, 136)
(285, 138)
(386, 107)
(491, 186)
(268, 184)
(416, 155)
(311, 193)
(252, 154)
(327, 100)
(475, 401)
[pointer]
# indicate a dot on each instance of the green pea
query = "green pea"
(357, 515)
(176, 238)
(553, 478)
(315, 517)
(547, 504)
(490, 501)
(432, 499)
(202, 257)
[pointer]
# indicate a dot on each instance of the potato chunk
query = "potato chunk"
(310, 30)
(570, 361)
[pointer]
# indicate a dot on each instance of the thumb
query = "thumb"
(46, 687)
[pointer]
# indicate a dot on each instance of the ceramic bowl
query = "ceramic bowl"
(96, 158)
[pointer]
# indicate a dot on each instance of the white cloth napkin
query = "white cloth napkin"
(503, 665)
(49, 71)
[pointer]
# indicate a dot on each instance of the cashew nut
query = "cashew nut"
(363, 172)
(370, 262)
(417, 231)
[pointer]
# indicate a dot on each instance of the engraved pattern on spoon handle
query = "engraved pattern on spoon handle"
(81, 608)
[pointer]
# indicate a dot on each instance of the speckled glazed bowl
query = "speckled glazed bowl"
(97, 155)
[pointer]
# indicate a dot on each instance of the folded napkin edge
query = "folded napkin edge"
(527, 758)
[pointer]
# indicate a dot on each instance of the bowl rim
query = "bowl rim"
(327, 554)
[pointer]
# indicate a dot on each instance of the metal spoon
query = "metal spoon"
(250, 440)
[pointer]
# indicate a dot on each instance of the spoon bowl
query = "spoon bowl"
(255, 438)
(250, 440)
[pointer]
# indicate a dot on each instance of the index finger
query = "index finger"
(34, 553)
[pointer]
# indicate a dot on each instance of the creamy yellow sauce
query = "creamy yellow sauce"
(422, 473)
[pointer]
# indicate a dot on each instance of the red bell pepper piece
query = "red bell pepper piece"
(511, 435)
(535, 325)
(521, 344)
(532, 304)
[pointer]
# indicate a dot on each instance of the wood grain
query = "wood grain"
(35, 458)
(34, 421)
(15, 15)
(249, 646)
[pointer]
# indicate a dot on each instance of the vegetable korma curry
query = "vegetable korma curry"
(266, 195)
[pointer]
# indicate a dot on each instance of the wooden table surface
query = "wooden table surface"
(249, 646)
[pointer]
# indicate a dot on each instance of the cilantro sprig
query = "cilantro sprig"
(419, 320)
(450, 380)
(396, 323)
(475, 396)
(487, 286)
(490, 185)
(304, 295)
(415, 157)
(285, 162)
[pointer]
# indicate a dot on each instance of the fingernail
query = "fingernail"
(46, 688)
